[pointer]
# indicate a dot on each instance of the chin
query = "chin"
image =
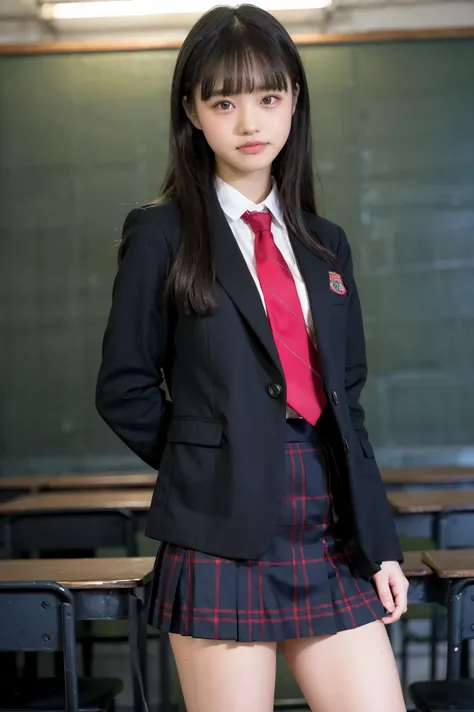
(253, 162)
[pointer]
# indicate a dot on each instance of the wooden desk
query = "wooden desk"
(420, 576)
(132, 480)
(430, 501)
(439, 515)
(137, 502)
(134, 500)
(100, 573)
(414, 566)
(11, 487)
(423, 478)
(22, 482)
(454, 569)
(103, 589)
(452, 564)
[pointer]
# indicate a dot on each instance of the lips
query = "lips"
(253, 147)
(252, 144)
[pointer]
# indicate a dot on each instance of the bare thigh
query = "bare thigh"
(217, 675)
(354, 671)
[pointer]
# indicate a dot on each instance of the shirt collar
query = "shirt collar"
(234, 204)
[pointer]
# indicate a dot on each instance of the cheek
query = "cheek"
(214, 132)
(283, 126)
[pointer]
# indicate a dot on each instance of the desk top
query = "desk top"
(135, 500)
(426, 475)
(23, 482)
(430, 501)
(413, 564)
(81, 573)
(454, 563)
(101, 481)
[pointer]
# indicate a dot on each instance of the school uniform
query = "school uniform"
(271, 525)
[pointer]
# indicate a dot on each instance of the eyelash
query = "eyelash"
(226, 101)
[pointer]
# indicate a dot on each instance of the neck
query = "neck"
(255, 186)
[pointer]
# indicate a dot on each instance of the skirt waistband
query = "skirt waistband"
(298, 430)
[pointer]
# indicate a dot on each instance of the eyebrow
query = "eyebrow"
(220, 91)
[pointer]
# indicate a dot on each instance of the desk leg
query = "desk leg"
(465, 659)
(454, 630)
(138, 652)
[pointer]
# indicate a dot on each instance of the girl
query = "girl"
(272, 517)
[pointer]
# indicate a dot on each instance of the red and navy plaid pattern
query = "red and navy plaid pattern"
(305, 585)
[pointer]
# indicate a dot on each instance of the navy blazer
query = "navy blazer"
(219, 444)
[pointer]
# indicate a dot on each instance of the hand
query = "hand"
(392, 588)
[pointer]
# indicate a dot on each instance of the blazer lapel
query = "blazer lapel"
(234, 276)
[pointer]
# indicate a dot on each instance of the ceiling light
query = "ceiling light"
(92, 9)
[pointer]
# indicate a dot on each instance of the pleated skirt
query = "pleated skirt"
(305, 585)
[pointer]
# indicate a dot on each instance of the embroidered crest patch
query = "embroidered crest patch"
(336, 283)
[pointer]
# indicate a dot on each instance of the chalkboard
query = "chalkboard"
(84, 137)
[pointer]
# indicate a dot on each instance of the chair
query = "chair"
(443, 695)
(70, 533)
(456, 692)
(39, 616)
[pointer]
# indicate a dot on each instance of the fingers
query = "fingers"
(385, 595)
(399, 589)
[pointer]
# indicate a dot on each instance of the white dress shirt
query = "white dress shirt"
(234, 204)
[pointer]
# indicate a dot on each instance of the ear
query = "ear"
(190, 110)
(296, 93)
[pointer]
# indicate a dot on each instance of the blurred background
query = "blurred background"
(84, 137)
(84, 95)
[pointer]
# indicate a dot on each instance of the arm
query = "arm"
(390, 582)
(128, 393)
(356, 359)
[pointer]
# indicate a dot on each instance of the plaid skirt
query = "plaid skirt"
(305, 584)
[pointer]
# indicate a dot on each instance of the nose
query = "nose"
(247, 124)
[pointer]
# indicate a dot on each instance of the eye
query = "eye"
(267, 98)
(224, 105)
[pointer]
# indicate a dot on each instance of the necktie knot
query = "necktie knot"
(257, 221)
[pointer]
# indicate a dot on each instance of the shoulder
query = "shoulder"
(330, 235)
(156, 224)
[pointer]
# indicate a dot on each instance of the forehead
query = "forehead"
(242, 73)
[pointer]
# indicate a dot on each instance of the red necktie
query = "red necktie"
(299, 357)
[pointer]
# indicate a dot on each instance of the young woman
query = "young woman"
(272, 518)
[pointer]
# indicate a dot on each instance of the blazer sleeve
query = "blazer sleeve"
(386, 546)
(129, 396)
(356, 359)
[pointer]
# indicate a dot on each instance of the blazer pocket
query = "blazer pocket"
(338, 300)
(366, 448)
(194, 431)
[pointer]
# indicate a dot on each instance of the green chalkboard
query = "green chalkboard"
(83, 138)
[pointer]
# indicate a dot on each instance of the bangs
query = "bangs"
(237, 68)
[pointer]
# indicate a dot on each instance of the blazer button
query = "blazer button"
(346, 445)
(275, 390)
(335, 399)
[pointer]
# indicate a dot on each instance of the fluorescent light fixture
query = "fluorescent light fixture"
(92, 9)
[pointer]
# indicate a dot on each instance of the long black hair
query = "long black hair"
(236, 45)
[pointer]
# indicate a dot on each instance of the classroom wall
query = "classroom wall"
(83, 138)
(19, 22)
